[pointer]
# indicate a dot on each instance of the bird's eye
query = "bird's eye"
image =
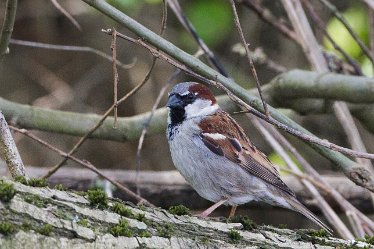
(190, 96)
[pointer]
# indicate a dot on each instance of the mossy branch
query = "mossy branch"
(33, 217)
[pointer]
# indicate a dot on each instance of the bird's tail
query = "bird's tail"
(297, 206)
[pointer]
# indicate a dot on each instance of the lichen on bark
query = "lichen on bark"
(50, 218)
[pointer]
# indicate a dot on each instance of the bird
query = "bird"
(212, 152)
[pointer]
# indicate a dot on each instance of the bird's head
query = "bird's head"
(190, 99)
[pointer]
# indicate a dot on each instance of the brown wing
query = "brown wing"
(224, 137)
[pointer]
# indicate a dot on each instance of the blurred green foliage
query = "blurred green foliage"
(276, 159)
(212, 20)
(357, 18)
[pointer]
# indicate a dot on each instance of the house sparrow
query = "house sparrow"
(214, 155)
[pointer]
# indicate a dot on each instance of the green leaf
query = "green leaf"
(357, 18)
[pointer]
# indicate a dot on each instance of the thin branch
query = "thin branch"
(343, 203)
(304, 176)
(72, 49)
(115, 76)
(269, 119)
(144, 131)
(341, 18)
(67, 14)
(326, 209)
(258, 56)
(99, 123)
(84, 163)
(309, 43)
(9, 151)
(266, 15)
(175, 6)
(370, 3)
(321, 27)
(311, 49)
(7, 29)
(251, 65)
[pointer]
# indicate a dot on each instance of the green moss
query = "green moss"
(21, 179)
(60, 187)
(140, 217)
(205, 241)
(247, 223)
(145, 233)
(179, 210)
(369, 239)
(282, 226)
(121, 229)
(166, 230)
(142, 207)
(35, 200)
(81, 193)
(37, 182)
(26, 226)
(7, 228)
(34, 182)
(234, 236)
(7, 191)
(97, 198)
(322, 233)
(122, 210)
(46, 229)
(83, 222)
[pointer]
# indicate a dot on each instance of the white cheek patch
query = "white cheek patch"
(215, 136)
(200, 108)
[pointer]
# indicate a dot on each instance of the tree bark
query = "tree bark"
(168, 188)
(74, 223)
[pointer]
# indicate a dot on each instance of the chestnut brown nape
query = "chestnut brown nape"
(203, 92)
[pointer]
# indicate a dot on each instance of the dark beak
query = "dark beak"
(174, 102)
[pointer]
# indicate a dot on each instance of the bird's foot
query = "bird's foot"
(207, 212)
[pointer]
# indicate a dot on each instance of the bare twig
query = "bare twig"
(175, 6)
(301, 176)
(370, 3)
(371, 26)
(84, 163)
(302, 28)
(115, 76)
(327, 210)
(9, 151)
(321, 27)
(258, 56)
(351, 130)
(94, 128)
(355, 223)
(341, 18)
(267, 16)
(352, 170)
(343, 203)
(314, 54)
(297, 133)
(163, 89)
(251, 65)
(7, 29)
(67, 14)
(71, 48)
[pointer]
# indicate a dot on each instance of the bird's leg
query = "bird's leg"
(232, 211)
(211, 209)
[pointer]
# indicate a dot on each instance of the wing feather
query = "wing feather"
(235, 146)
